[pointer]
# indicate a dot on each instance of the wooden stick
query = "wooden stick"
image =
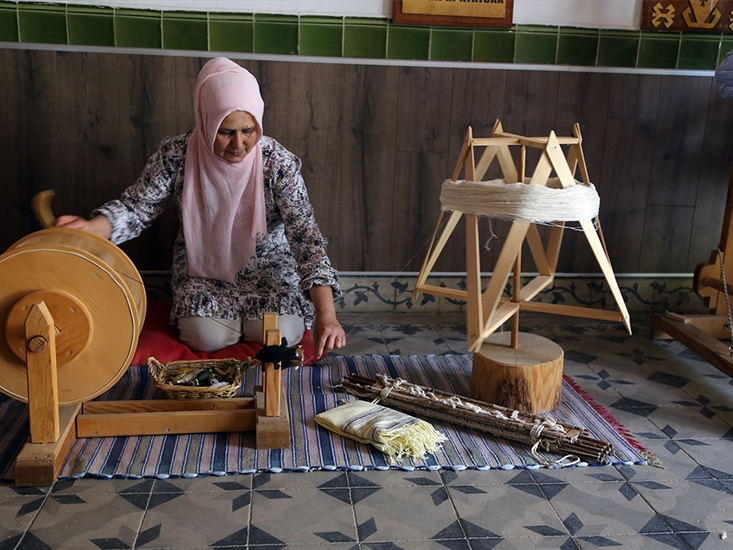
(516, 290)
(515, 425)
(272, 378)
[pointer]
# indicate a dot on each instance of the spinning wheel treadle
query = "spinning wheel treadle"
(83, 280)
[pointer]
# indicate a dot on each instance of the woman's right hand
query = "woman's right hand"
(99, 225)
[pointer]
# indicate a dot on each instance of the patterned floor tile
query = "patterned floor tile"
(478, 478)
(278, 546)
(711, 512)
(195, 519)
(302, 516)
(399, 478)
(575, 475)
(405, 513)
(652, 541)
(17, 513)
(298, 480)
(593, 509)
(713, 454)
(10, 490)
(692, 422)
(441, 544)
(204, 484)
(96, 520)
(677, 464)
(516, 509)
(92, 485)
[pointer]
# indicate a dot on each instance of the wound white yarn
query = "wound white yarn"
(526, 202)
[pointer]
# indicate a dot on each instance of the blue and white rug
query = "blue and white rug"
(310, 390)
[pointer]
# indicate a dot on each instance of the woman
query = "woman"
(248, 242)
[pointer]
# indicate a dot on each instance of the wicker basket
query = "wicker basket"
(233, 370)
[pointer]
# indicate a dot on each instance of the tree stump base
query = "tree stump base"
(528, 378)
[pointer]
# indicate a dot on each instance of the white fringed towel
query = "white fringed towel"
(396, 434)
(527, 202)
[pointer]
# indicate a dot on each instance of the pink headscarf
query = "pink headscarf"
(223, 203)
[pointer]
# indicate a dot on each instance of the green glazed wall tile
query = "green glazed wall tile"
(91, 26)
(698, 52)
(618, 48)
(8, 22)
(451, 45)
(42, 23)
(321, 36)
(536, 45)
(658, 50)
(276, 34)
(405, 42)
(138, 29)
(494, 46)
(231, 33)
(185, 31)
(365, 39)
(577, 47)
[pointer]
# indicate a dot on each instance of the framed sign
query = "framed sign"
(688, 15)
(455, 13)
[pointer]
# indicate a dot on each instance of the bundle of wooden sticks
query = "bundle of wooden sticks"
(542, 433)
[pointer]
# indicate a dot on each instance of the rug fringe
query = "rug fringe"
(651, 459)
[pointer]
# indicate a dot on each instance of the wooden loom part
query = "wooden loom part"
(556, 437)
(703, 333)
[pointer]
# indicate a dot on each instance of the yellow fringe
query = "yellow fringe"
(414, 441)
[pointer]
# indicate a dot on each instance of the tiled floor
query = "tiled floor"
(676, 405)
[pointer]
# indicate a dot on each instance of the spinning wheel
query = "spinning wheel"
(73, 306)
(97, 301)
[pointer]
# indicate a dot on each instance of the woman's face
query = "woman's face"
(236, 136)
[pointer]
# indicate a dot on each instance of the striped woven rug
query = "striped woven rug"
(310, 390)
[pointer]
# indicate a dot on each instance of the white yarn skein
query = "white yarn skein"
(522, 201)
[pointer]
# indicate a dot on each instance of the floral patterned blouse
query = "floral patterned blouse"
(288, 262)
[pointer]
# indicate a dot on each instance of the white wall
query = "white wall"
(611, 14)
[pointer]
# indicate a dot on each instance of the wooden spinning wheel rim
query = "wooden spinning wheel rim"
(100, 247)
(36, 266)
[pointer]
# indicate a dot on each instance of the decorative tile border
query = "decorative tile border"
(393, 293)
(349, 37)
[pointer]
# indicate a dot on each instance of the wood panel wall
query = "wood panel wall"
(376, 144)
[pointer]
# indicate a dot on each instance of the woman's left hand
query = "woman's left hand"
(328, 334)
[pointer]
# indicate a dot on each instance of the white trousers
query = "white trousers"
(211, 334)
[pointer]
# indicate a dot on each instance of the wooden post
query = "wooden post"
(272, 420)
(516, 289)
(272, 378)
(43, 390)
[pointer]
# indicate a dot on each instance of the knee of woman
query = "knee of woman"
(208, 334)
(292, 329)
